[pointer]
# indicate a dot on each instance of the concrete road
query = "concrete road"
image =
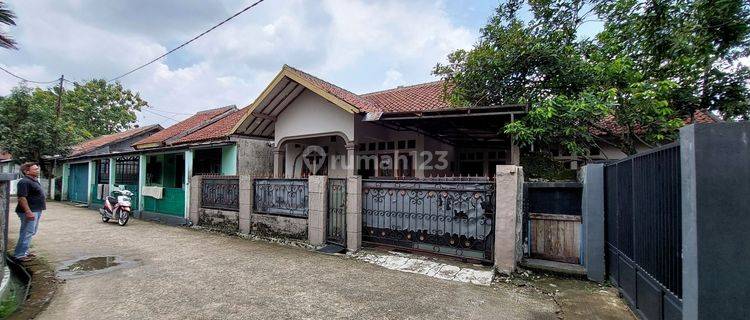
(182, 273)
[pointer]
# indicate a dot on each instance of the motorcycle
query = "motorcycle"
(117, 207)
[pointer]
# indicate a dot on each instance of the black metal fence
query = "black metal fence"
(336, 229)
(446, 217)
(220, 192)
(287, 197)
(643, 226)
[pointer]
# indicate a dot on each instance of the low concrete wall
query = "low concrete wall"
(278, 226)
(219, 220)
(508, 217)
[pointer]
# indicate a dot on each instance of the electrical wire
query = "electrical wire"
(27, 80)
(161, 115)
(186, 43)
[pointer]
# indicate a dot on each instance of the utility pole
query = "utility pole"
(59, 96)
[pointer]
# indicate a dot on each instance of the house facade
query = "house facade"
(407, 132)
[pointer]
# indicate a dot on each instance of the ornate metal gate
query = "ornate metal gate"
(336, 228)
(446, 217)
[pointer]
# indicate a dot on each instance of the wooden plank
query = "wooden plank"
(549, 216)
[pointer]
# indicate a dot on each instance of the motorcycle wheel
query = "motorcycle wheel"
(105, 219)
(123, 219)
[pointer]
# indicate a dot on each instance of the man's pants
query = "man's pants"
(28, 230)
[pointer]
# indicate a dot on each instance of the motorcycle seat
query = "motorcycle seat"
(112, 200)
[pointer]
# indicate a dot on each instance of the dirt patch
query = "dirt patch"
(44, 286)
(575, 298)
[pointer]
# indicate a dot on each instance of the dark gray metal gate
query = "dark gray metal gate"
(336, 228)
(446, 217)
(643, 226)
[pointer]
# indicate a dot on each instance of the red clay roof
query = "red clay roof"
(420, 97)
(217, 130)
(699, 116)
(362, 104)
(185, 125)
(92, 144)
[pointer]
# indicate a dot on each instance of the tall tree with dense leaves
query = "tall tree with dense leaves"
(100, 108)
(31, 130)
(7, 18)
(632, 84)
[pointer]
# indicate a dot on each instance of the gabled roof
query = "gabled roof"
(102, 141)
(221, 129)
(184, 128)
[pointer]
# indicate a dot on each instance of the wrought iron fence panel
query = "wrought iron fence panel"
(220, 193)
(126, 170)
(446, 217)
(281, 197)
(336, 230)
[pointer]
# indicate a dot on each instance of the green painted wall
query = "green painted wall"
(172, 203)
(229, 160)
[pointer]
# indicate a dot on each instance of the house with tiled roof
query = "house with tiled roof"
(408, 131)
(156, 164)
(202, 144)
(89, 163)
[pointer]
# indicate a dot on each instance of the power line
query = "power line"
(186, 43)
(161, 115)
(172, 112)
(27, 80)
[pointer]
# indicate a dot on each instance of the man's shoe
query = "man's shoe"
(25, 258)
(31, 254)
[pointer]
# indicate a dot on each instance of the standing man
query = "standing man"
(31, 202)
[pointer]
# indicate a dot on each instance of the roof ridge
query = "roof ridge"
(401, 88)
(215, 109)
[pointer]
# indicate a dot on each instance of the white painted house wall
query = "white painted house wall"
(311, 115)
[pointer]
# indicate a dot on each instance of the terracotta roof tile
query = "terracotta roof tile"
(343, 94)
(182, 126)
(217, 130)
(92, 144)
(699, 116)
(420, 97)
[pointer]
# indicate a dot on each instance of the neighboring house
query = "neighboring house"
(200, 145)
(86, 170)
(403, 132)
(606, 152)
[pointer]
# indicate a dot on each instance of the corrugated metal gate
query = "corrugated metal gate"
(643, 226)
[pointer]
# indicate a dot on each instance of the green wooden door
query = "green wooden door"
(78, 183)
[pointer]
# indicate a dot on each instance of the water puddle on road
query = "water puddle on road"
(91, 265)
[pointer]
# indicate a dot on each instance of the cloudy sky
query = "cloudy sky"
(362, 46)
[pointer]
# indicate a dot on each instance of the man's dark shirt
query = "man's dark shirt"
(31, 189)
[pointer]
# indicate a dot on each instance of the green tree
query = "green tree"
(631, 84)
(31, 130)
(29, 127)
(99, 108)
(7, 18)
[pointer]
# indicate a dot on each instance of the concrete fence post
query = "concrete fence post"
(353, 213)
(592, 210)
(317, 209)
(715, 173)
(247, 195)
(508, 217)
(196, 183)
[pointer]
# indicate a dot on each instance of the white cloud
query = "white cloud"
(360, 45)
